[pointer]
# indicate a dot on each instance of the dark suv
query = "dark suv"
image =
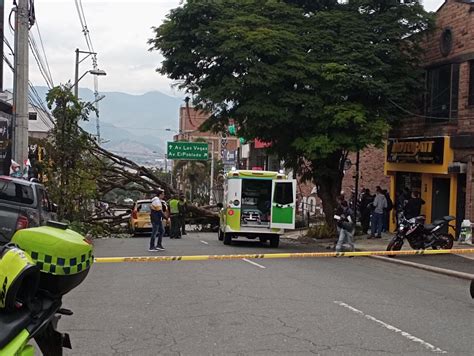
(22, 204)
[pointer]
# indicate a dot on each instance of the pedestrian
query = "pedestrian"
(365, 209)
(379, 204)
(166, 218)
(400, 202)
(156, 217)
(175, 232)
(386, 211)
(346, 227)
(413, 206)
(339, 204)
(183, 210)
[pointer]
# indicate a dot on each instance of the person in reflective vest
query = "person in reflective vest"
(183, 207)
(175, 232)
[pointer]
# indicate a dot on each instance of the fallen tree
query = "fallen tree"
(80, 174)
(122, 173)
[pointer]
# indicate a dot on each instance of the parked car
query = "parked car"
(23, 204)
(140, 218)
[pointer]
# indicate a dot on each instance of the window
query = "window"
(15, 192)
(283, 193)
(44, 200)
(470, 100)
(442, 92)
(32, 116)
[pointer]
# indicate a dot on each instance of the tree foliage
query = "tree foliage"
(70, 174)
(317, 79)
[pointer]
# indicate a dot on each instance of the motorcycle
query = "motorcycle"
(422, 236)
(37, 268)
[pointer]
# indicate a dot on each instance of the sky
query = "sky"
(119, 31)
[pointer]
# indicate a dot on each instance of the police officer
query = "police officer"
(175, 232)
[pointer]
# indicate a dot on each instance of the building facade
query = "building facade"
(432, 152)
(223, 145)
(371, 175)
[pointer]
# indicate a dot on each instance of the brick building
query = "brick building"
(371, 174)
(225, 146)
(432, 152)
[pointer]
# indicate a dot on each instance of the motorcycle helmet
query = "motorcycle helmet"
(19, 278)
(62, 255)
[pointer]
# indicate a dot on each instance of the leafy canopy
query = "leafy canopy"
(315, 78)
(327, 71)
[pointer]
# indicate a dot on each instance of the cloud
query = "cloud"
(119, 31)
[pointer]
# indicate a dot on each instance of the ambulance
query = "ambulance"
(257, 204)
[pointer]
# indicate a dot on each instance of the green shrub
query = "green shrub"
(321, 231)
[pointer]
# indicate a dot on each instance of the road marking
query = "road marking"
(253, 263)
(204, 242)
(410, 337)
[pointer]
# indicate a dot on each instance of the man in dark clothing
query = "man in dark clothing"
(401, 200)
(365, 210)
(413, 206)
(387, 210)
(156, 217)
(182, 208)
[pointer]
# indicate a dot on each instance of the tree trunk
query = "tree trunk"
(328, 174)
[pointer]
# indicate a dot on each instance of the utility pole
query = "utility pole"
(211, 186)
(76, 74)
(20, 84)
(357, 174)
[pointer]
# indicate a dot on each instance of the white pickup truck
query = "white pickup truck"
(22, 204)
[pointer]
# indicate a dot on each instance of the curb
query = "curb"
(446, 272)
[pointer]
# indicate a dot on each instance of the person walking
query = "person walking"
(156, 217)
(183, 209)
(365, 210)
(346, 227)
(413, 206)
(379, 204)
(175, 232)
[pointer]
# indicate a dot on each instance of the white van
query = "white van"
(257, 204)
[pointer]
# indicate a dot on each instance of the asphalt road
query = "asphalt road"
(325, 306)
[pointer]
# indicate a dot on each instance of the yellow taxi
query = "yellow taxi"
(140, 218)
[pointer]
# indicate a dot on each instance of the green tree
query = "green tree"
(70, 173)
(317, 79)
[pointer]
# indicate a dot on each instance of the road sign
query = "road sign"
(229, 157)
(188, 150)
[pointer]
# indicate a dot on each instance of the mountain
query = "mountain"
(133, 125)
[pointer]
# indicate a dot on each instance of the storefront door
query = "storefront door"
(440, 202)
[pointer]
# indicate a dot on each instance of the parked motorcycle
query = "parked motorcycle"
(37, 268)
(422, 236)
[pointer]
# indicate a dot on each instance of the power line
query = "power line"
(85, 30)
(35, 99)
(424, 116)
(44, 52)
(39, 62)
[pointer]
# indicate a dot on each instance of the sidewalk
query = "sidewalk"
(361, 242)
(455, 265)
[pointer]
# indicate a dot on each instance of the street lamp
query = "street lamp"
(93, 72)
